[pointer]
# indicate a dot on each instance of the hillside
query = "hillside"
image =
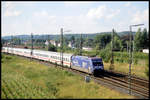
(56, 37)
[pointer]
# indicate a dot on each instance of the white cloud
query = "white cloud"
(97, 12)
(9, 9)
(146, 15)
(140, 17)
(102, 12)
(43, 16)
(128, 4)
(96, 19)
(76, 3)
(113, 14)
(39, 14)
(12, 13)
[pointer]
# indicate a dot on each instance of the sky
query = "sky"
(22, 17)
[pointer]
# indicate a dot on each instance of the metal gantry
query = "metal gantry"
(131, 51)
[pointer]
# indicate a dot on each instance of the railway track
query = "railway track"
(134, 79)
(138, 87)
(117, 82)
(114, 80)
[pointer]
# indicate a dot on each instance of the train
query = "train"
(90, 65)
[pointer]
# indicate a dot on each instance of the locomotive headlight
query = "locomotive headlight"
(90, 68)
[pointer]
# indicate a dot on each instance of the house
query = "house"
(46, 43)
(71, 45)
(145, 50)
(51, 42)
(59, 44)
(27, 42)
(87, 48)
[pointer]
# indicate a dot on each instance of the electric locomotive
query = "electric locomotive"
(91, 65)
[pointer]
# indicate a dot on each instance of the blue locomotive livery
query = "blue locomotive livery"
(91, 65)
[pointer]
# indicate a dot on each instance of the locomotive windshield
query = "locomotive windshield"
(97, 63)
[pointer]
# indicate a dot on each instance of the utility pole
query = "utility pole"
(87, 41)
(61, 54)
(130, 62)
(127, 46)
(81, 44)
(31, 45)
(48, 41)
(12, 43)
(112, 47)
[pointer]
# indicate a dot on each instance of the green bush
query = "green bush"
(147, 68)
(52, 48)
(105, 55)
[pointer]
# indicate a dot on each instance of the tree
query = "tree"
(137, 39)
(16, 41)
(141, 39)
(72, 39)
(144, 39)
(117, 43)
(52, 48)
(102, 40)
(105, 54)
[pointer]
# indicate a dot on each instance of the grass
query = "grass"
(138, 70)
(24, 79)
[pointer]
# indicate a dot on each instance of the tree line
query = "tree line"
(99, 42)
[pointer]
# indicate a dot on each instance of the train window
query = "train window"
(98, 63)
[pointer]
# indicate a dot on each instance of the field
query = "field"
(138, 70)
(138, 67)
(22, 78)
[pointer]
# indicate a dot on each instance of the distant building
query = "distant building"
(145, 50)
(46, 43)
(59, 45)
(87, 48)
(27, 42)
(51, 42)
(71, 45)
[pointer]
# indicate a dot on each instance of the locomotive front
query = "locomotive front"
(98, 67)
